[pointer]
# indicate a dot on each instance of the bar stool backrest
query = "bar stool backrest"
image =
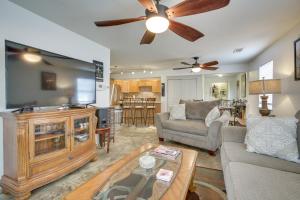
(150, 102)
(139, 103)
(127, 103)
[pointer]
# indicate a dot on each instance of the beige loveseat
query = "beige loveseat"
(251, 176)
(192, 131)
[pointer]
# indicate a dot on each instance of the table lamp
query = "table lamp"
(270, 86)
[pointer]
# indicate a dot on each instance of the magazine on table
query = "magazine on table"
(166, 152)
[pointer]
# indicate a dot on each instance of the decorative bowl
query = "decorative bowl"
(147, 162)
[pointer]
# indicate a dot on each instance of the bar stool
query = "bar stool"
(128, 111)
(150, 110)
(139, 108)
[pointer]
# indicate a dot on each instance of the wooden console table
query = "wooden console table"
(42, 146)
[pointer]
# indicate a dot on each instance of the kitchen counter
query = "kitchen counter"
(157, 102)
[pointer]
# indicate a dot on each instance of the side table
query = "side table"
(104, 133)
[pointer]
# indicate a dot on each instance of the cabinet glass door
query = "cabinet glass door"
(49, 137)
(81, 130)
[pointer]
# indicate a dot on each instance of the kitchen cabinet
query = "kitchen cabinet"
(134, 86)
(145, 83)
(124, 84)
(156, 86)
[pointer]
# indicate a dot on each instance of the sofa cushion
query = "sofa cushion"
(236, 152)
(196, 127)
(250, 182)
(199, 110)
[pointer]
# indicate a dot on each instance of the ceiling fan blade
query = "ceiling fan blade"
(13, 50)
(208, 64)
(149, 5)
(180, 68)
(185, 31)
(184, 63)
(119, 21)
(46, 62)
(148, 38)
(192, 7)
(210, 68)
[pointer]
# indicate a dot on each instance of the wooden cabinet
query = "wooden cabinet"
(134, 86)
(156, 86)
(124, 84)
(40, 147)
(145, 83)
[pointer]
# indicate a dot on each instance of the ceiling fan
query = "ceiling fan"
(159, 18)
(196, 67)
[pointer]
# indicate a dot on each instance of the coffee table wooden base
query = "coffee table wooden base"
(178, 189)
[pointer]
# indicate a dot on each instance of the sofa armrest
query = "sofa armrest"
(214, 135)
(159, 118)
(234, 134)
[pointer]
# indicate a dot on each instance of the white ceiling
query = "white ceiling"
(249, 24)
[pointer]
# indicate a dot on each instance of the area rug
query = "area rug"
(209, 184)
(207, 179)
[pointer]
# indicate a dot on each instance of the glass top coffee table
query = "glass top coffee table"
(127, 180)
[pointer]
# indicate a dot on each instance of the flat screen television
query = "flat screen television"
(38, 78)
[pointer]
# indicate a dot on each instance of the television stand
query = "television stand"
(44, 146)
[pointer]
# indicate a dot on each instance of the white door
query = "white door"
(181, 89)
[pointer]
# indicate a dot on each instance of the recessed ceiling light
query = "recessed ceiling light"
(122, 73)
(238, 50)
(132, 73)
(220, 75)
(145, 71)
(151, 72)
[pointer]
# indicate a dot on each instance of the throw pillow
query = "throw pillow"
(273, 136)
(199, 110)
(298, 131)
(212, 116)
(177, 112)
(225, 118)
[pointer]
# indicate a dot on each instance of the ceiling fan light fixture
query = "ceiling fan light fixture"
(196, 69)
(33, 58)
(157, 24)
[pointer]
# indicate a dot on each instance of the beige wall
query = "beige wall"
(282, 53)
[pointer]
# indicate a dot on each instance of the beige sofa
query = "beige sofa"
(251, 176)
(192, 131)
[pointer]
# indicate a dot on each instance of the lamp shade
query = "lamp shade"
(272, 86)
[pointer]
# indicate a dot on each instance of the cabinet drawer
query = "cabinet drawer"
(50, 164)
